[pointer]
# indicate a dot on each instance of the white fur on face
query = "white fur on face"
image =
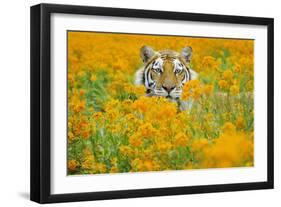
(157, 66)
(178, 66)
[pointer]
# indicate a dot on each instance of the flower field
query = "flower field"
(113, 127)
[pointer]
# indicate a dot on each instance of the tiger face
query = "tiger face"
(165, 72)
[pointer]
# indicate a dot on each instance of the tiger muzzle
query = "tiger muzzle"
(168, 88)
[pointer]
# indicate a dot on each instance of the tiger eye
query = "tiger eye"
(178, 71)
(157, 70)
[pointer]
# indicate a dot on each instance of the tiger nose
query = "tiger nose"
(168, 88)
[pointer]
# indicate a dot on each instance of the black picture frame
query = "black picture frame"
(41, 98)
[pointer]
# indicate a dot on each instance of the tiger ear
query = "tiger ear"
(186, 53)
(146, 53)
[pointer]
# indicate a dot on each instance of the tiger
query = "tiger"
(165, 72)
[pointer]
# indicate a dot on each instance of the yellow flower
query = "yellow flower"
(229, 150)
(97, 115)
(100, 167)
(114, 169)
(186, 93)
(208, 89)
(93, 78)
(139, 90)
(88, 164)
(126, 150)
(78, 105)
(197, 92)
(228, 75)
(148, 165)
(137, 164)
(194, 83)
(199, 144)
(228, 127)
(81, 73)
(70, 136)
(237, 68)
(163, 146)
(223, 84)
(192, 89)
(181, 139)
(141, 104)
(234, 90)
(209, 117)
(250, 85)
(249, 164)
(148, 153)
(89, 160)
(240, 122)
(209, 62)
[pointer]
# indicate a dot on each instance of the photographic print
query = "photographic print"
(130, 103)
(145, 102)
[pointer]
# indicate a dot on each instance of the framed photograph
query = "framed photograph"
(133, 103)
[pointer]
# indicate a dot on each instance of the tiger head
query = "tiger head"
(165, 72)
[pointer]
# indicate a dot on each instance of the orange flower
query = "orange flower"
(147, 130)
(72, 165)
(135, 140)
